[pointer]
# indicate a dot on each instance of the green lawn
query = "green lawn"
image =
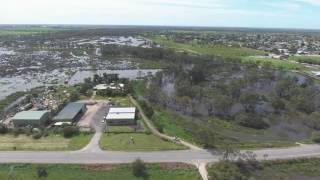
(193, 48)
(49, 143)
(142, 142)
(171, 124)
(98, 172)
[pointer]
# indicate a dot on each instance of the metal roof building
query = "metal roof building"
(123, 110)
(121, 116)
(33, 118)
(71, 113)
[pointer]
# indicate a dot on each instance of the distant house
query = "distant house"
(71, 113)
(121, 116)
(32, 118)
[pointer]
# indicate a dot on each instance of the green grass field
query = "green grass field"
(142, 142)
(49, 143)
(28, 31)
(297, 58)
(193, 48)
(276, 63)
(98, 172)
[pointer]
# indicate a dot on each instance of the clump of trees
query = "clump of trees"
(139, 169)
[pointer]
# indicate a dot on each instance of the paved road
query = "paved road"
(187, 156)
(92, 154)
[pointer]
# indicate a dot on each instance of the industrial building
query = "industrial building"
(121, 116)
(32, 118)
(71, 113)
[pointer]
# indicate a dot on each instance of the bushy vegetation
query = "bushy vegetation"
(70, 131)
(277, 170)
(244, 94)
(139, 169)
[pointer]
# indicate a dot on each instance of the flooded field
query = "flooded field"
(131, 74)
(116, 40)
(9, 85)
(26, 64)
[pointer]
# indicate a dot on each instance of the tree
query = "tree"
(314, 119)
(316, 136)
(278, 104)
(251, 121)
(222, 105)
(249, 100)
(3, 128)
(139, 169)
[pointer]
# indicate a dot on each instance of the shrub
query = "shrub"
(17, 132)
(42, 172)
(70, 131)
(225, 170)
(37, 135)
(139, 168)
(316, 136)
(251, 121)
(3, 129)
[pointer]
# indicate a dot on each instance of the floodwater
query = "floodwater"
(131, 74)
(4, 51)
(119, 40)
(9, 85)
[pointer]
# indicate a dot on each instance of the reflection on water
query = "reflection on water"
(131, 74)
(9, 85)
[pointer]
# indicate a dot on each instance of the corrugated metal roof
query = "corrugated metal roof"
(29, 115)
(70, 111)
(122, 110)
(115, 116)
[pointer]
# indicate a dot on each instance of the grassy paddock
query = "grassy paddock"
(49, 143)
(170, 171)
(275, 63)
(142, 142)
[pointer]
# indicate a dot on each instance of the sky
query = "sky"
(217, 13)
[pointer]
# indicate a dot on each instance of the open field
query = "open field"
(297, 58)
(276, 63)
(193, 48)
(98, 172)
(142, 142)
(49, 143)
(28, 31)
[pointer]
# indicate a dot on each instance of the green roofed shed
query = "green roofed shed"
(33, 118)
(71, 113)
